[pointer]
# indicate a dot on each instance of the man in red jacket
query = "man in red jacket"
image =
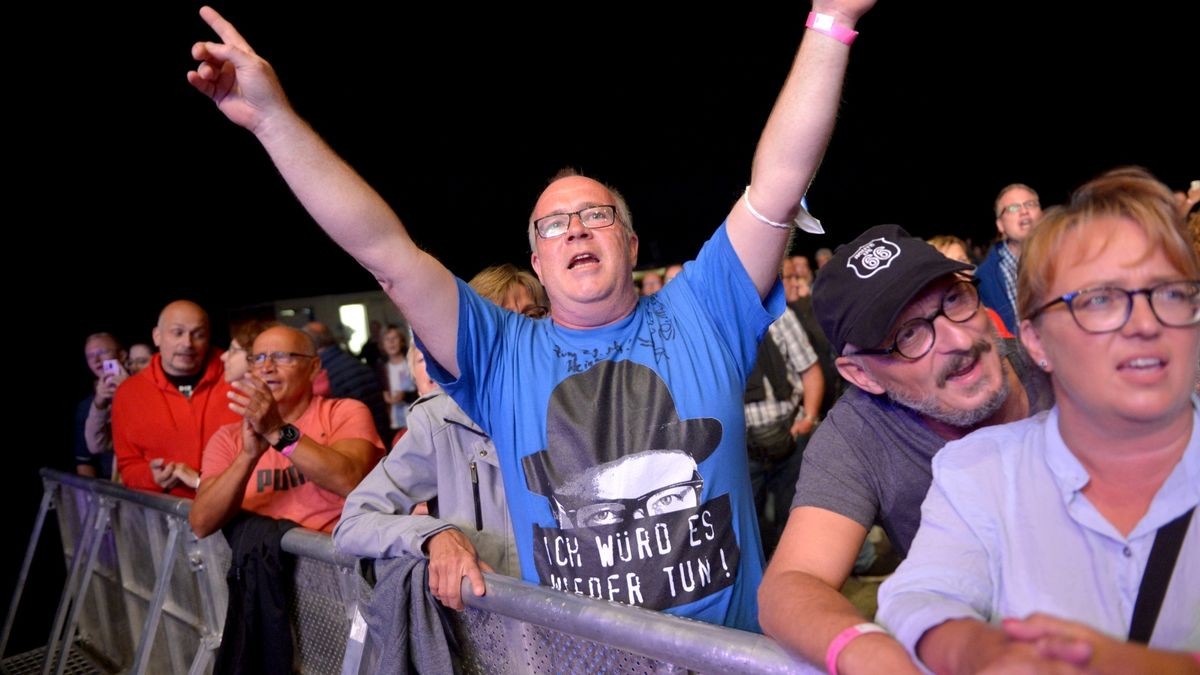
(163, 416)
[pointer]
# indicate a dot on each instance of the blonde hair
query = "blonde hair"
(1129, 192)
(494, 283)
(942, 242)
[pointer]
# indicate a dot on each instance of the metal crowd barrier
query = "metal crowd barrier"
(144, 595)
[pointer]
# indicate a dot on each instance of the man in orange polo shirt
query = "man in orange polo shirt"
(163, 416)
(293, 455)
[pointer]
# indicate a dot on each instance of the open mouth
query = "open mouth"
(583, 259)
(960, 368)
(1142, 364)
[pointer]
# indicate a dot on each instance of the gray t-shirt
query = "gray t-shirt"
(870, 459)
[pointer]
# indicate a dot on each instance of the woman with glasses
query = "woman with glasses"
(237, 357)
(1069, 537)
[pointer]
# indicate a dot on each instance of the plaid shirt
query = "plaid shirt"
(789, 335)
(1008, 267)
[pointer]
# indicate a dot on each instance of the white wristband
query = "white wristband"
(803, 220)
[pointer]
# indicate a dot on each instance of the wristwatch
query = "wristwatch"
(288, 435)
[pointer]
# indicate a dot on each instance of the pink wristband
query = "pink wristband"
(844, 638)
(826, 25)
(287, 451)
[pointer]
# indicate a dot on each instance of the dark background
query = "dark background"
(137, 191)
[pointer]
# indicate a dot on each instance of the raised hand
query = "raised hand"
(106, 387)
(253, 443)
(240, 82)
(253, 400)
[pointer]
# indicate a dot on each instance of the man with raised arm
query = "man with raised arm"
(546, 392)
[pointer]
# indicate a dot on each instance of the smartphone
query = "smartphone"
(112, 367)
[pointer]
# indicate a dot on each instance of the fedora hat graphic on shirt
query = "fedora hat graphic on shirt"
(610, 411)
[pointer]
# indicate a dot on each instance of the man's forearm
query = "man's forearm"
(220, 496)
(798, 130)
(788, 154)
(97, 432)
(336, 196)
(336, 469)
(814, 390)
(961, 646)
(355, 216)
(825, 613)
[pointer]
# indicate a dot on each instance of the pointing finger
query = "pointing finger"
(224, 29)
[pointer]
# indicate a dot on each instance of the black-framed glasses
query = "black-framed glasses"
(612, 511)
(1028, 205)
(915, 337)
(593, 217)
(1103, 310)
(278, 358)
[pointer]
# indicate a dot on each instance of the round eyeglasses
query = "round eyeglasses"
(1103, 310)
(593, 217)
(915, 337)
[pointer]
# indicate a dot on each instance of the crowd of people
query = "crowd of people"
(1021, 425)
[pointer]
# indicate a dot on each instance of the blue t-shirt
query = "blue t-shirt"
(623, 447)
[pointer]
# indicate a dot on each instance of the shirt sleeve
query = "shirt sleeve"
(796, 345)
(946, 574)
(97, 430)
(221, 450)
(132, 465)
(724, 291)
(375, 521)
(833, 475)
(350, 418)
(483, 330)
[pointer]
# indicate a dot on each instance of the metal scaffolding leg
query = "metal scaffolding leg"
(10, 619)
(150, 629)
(101, 524)
(211, 638)
(87, 539)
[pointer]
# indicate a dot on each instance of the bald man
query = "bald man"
(291, 454)
(163, 416)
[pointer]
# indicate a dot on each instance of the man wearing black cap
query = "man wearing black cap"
(926, 368)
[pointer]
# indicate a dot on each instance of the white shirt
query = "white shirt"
(1006, 531)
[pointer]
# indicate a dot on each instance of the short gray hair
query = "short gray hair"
(623, 215)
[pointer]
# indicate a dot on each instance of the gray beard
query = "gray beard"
(961, 419)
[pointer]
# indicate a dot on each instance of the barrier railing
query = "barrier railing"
(143, 594)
